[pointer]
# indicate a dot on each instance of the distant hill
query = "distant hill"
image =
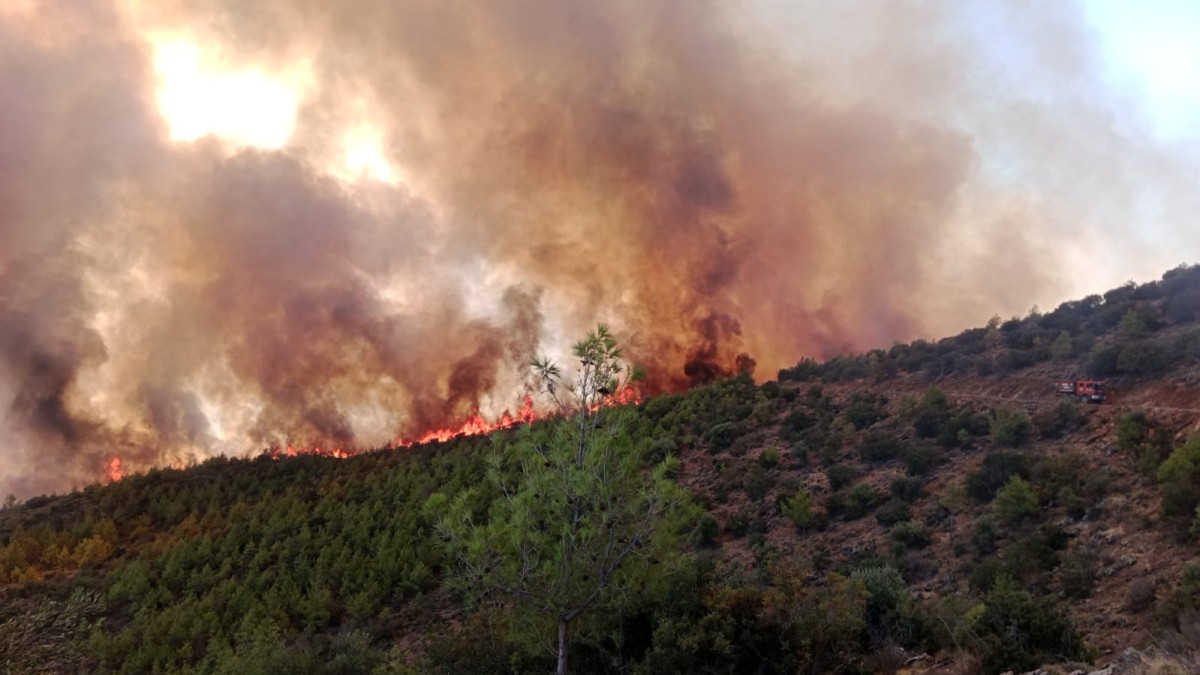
(934, 507)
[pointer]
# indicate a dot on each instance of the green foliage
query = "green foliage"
(891, 615)
(721, 436)
(865, 409)
(906, 488)
(1021, 632)
(881, 446)
(769, 458)
(1179, 479)
(1062, 346)
(704, 534)
(799, 508)
(1010, 427)
(1133, 325)
(576, 522)
(840, 475)
(1016, 501)
(1064, 418)
(910, 534)
(892, 512)
(852, 503)
(996, 469)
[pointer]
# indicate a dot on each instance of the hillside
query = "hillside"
(933, 507)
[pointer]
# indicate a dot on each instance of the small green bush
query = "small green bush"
(907, 488)
(993, 473)
(704, 534)
(840, 475)
(1179, 479)
(910, 534)
(1016, 501)
(892, 512)
(880, 446)
(1010, 427)
(799, 509)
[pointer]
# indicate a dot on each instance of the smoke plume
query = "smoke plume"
(729, 189)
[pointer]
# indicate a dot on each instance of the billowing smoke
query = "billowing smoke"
(729, 189)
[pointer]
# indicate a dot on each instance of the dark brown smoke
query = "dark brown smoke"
(727, 198)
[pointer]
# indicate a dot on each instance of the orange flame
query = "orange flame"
(115, 472)
(476, 425)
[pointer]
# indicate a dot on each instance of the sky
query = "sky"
(227, 226)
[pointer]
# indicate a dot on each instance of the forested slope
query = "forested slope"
(850, 517)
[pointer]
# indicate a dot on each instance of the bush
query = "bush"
(720, 436)
(1062, 419)
(984, 536)
(906, 488)
(769, 458)
(893, 512)
(799, 509)
(758, 483)
(995, 471)
(910, 534)
(1179, 479)
(1021, 632)
(920, 459)
(880, 447)
(853, 503)
(865, 409)
(1010, 427)
(840, 476)
(1015, 501)
(704, 534)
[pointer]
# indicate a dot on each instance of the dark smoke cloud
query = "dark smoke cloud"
(727, 204)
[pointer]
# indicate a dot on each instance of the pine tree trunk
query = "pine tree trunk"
(564, 637)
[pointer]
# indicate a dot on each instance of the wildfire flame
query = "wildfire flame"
(476, 425)
(115, 472)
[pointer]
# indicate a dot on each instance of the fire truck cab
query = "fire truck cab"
(1087, 391)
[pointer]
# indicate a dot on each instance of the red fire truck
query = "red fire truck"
(1087, 391)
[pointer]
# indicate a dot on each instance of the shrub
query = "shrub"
(758, 483)
(1060, 420)
(880, 447)
(993, 473)
(1010, 427)
(853, 503)
(1015, 501)
(840, 476)
(865, 409)
(1021, 632)
(910, 534)
(720, 436)
(893, 512)
(1179, 479)
(984, 536)
(704, 533)
(769, 458)
(799, 509)
(920, 459)
(906, 488)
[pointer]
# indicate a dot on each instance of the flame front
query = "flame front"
(115, 472)
(476, 425)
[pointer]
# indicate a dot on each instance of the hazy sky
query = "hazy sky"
(232, 225)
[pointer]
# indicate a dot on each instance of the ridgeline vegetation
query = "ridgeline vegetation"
(930, 506)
